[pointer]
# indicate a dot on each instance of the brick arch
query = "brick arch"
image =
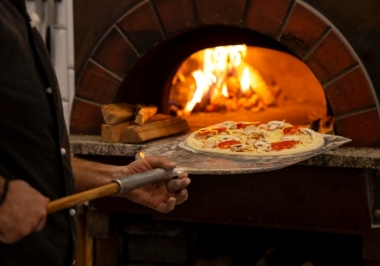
(294, 24)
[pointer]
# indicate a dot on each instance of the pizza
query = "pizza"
(275, 138)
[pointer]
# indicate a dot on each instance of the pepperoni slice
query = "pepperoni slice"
(205, 132)
(291, 130)
(228, 143)
(211, 131)
(245, 124)
(281, 145)
(219, 129)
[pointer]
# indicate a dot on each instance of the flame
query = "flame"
(225, 91)
(245, 80)
(224, 74)
(323, 125)
(203, 83)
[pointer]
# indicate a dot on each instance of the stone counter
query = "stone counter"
(346, 157)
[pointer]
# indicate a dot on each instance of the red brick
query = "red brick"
(176, 15)
(96, 84)
(220, 11)
(142, 27)
(302, 30)
(363, 128)
(267, 16)
(330, 57)
(86, 118)
(350, 92)
(114, 53)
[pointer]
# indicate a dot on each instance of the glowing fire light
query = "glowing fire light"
(225, 91)
(245, 80)
(203, 84)
(224, 74)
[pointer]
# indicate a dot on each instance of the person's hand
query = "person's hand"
(22, 212)
(161, 196)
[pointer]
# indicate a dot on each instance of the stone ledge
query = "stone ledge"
(345, 157)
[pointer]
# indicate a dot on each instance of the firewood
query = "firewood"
(156, 127)
(114, 133)
(144, 113)
(115, 113)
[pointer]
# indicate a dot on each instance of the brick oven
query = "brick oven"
(130, 50)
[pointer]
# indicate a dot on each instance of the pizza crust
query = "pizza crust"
(197, 145)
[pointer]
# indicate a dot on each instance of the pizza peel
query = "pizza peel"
(191, 162)
(197, 163)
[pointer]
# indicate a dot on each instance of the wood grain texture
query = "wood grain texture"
(114, 133)
(115, 113)
(69, 201)
(155, 128)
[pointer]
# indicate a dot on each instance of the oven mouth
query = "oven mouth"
(153, 72)
(245, 83)
(150, 81)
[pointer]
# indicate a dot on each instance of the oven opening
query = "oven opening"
(245, 83)
(215, 74)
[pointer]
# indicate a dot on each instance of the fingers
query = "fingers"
(178, 198)
(181, 197)
(168, 206)
(40, 225)
(176, 184)
(15, 232)
(23, 212)
(156, 162)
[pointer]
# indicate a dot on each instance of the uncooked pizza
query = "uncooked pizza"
(275, 138)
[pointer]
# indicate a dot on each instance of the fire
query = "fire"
(323, 125)
(245, 80)
(223, 81)
(246, 83)
(203, 84)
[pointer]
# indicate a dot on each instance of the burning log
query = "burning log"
(233, 86)
(248, 103)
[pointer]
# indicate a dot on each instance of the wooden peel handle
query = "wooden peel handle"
(119, 186)
(69, 201)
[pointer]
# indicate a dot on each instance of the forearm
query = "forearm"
(89, 175)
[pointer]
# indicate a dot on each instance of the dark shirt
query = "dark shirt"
(34, 143)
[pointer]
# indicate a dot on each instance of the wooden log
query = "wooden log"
(144, 113)
(115, 113)
(114, 133)
(156, 127)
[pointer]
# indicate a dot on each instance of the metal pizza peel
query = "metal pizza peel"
(197, 163)
(191, 162)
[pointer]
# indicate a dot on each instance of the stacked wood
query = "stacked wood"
(144, 124)
(114, 133)
(157, 126)
(115, 113)
(144, 113)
